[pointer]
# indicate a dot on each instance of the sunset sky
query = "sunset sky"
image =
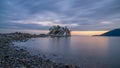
(78, 15)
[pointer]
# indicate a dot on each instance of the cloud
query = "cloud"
(77, 14)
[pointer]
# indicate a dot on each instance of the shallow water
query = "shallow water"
(84, 51)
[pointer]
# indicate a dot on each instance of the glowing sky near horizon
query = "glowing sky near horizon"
(89, 33)
(78, 15)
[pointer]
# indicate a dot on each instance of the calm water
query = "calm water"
(84, 51)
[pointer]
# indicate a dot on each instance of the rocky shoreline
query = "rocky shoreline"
(14, 57)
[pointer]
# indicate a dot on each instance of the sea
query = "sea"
(83, 51)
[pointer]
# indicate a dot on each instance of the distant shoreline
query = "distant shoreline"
(73, 32)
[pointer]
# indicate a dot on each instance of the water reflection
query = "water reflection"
(84, 51)
(90, 45)
(60, 45)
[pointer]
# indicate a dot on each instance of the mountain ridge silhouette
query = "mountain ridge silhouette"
(115, 32)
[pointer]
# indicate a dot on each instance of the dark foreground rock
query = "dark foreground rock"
(14, 57)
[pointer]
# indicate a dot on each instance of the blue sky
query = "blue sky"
(76, 14)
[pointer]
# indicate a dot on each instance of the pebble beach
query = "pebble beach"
(14, 57)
